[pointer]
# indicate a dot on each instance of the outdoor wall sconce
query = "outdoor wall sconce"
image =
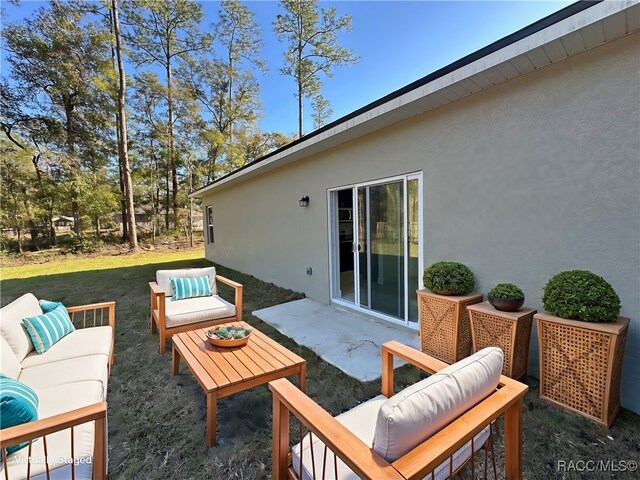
(304, 201)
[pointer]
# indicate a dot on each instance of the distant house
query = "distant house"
(144, 220)
(62, 223)
(519, 160)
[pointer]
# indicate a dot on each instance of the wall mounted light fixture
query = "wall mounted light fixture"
(304, 201)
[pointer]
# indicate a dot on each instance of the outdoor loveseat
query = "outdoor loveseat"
(429, 430)
(170, 315)
(68, 439)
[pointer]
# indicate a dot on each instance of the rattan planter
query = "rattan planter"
(511, 331)
(581, 365)
(445, 332)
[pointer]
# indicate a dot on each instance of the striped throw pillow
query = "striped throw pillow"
(48, 305)
(18, 405)
(189, 287)
(46, 329)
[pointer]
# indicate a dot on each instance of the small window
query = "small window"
(209, 224)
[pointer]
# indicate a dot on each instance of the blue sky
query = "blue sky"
(397, 42)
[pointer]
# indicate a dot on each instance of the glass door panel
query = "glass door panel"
(363, 247)
(375, 246)
(386, 252)
(413, 206)
(344, 261)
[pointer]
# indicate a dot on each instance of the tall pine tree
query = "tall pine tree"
(312, 48)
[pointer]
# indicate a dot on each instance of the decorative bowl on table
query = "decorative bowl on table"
(228, 336)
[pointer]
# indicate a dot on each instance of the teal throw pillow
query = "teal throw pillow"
(18, 405)
(48, 305)
(46, 329)
(189, 287)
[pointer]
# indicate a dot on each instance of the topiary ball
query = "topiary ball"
(452, 277)
(581, 295)
(507, 290)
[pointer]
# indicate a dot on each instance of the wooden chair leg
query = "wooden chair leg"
(513, 440)
(154, 327)
(163, 343)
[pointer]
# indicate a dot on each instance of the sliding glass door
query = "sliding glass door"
(376, 247)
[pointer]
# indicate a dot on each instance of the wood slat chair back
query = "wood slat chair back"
(418, 463)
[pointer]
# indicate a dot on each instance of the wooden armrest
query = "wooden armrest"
(91, 306)
(238, 294)
(226, 281)
(95, 307)
(46, 426)
(410, 355)
(414, 357)
(155, 289)
(360, 458)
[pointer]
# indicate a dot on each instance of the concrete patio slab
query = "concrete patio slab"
(345, 339)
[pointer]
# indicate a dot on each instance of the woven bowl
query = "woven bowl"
(220, 342)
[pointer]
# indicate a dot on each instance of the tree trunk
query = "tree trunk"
(19, 232)
(122, 126)
(75, 207)
(166, 200)
(172, 158)
(52, 227)
(299, 109)
(190, 224)
(123, 201)
(300, 89)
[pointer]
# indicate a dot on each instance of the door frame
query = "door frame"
(333, 238)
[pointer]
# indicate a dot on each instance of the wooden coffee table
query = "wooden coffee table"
(224, 371)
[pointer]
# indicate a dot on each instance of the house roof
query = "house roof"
(62, 218)
(574, 29)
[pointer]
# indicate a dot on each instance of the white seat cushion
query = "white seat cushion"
(163, 277)
(11, 328)
(9, 364)
(63, 398)
(81, 369)
(83, 342)
(194, 310)
(361, 421)
(52, 401)
(420, 410)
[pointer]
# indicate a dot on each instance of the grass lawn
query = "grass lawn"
(157, 421)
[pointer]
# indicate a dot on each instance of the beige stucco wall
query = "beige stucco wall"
(521, 181)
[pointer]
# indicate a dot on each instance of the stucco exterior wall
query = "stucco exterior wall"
(521, 181)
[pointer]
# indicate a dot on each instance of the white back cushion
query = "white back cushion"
(163, 277)
(417, 412)
(9, 364)
(11, 324)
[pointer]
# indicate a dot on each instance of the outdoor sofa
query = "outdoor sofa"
(70, 381)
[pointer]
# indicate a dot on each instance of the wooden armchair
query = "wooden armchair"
(170, 317)
(360, 459)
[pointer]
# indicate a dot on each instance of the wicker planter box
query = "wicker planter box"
(581, 365)
(445, 332)
(511, 331)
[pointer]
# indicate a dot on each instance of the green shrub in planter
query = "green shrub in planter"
(581, 295)
(507, 290)
(452, 277)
